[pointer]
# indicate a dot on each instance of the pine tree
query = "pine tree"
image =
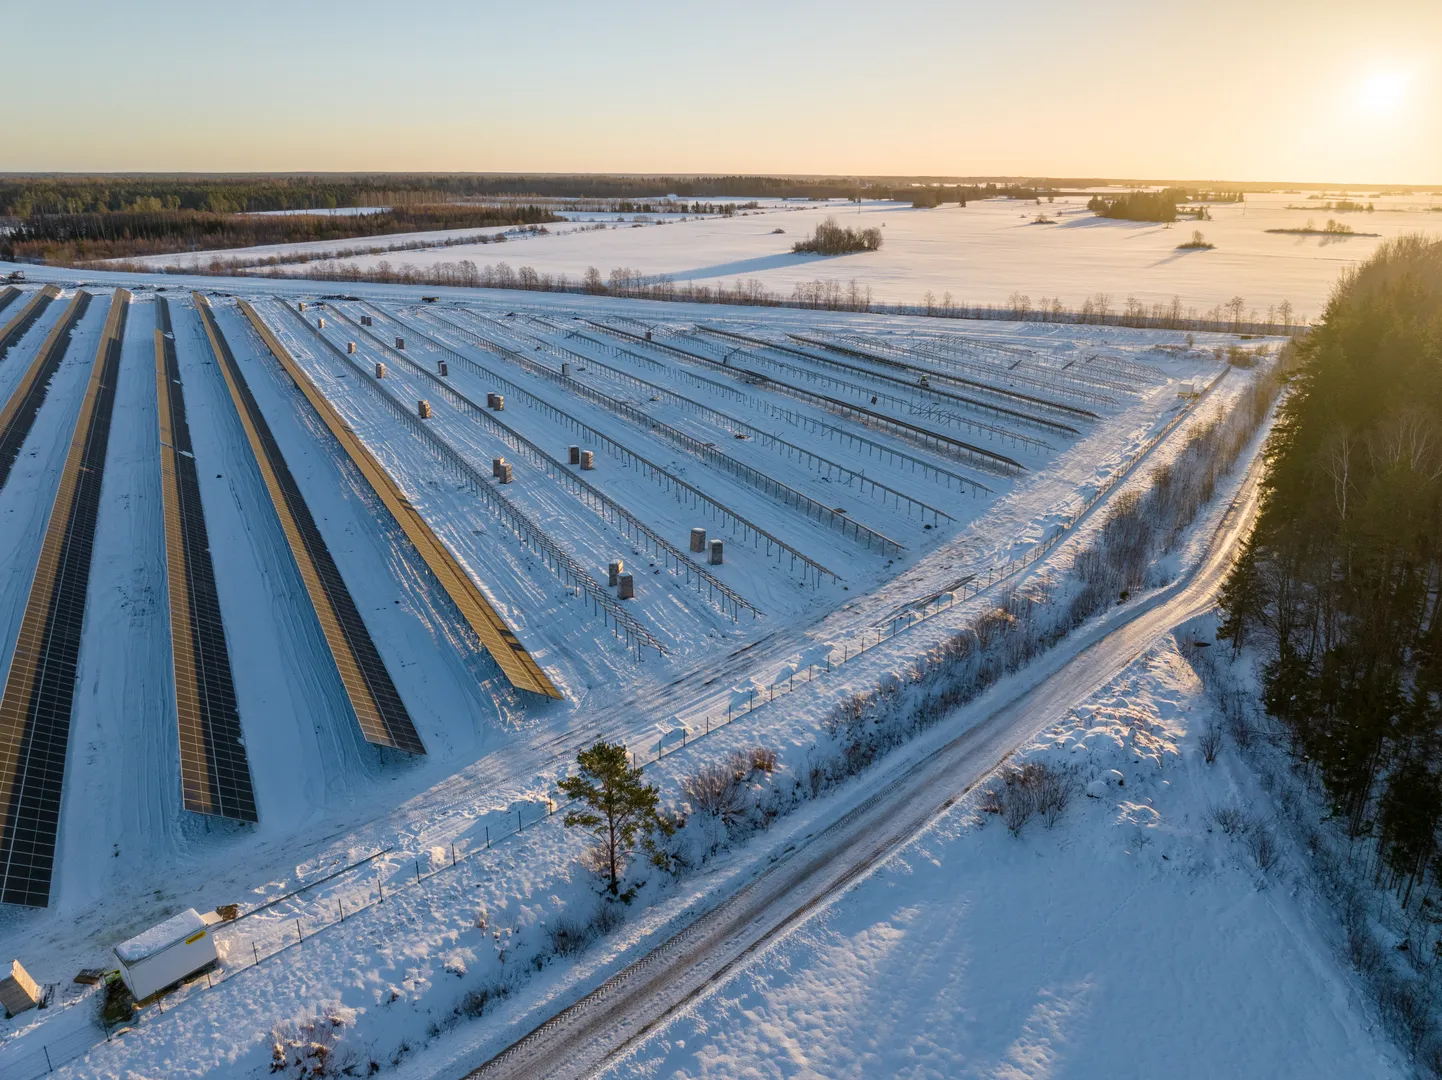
(620, 809)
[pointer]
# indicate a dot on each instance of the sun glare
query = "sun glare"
(1382, 93)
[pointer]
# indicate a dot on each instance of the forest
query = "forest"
(82, 236)
(1340, 587)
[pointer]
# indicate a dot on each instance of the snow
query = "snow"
(1133, 940)
(348, 821)
(334, 211)
(162, 936)
(980, 254)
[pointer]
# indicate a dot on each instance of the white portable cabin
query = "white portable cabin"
(166, 953)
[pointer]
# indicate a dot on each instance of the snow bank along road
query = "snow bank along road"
(581, 1038)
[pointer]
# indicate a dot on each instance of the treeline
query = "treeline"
(22, 196)
(1340, 587)
(1232, 317)
(832, 238)
(72, 238)
(933, 195)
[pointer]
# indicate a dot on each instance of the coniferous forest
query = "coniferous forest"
(1340, 587)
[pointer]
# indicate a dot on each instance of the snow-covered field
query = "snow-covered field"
(981, 254)
(853, 438)
(1133, 939)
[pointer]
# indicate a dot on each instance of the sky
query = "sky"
(1261, 90)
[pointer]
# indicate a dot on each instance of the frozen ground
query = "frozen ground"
(981, 254)
(1135, 939)
(130, 856)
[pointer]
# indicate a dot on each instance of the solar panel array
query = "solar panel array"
(515, 662)
(214, 771)
(18, 414)
(381, 714)
(40, 688)
(16, 327)
(8, 296)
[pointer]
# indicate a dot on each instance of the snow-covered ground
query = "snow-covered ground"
(980, 254)
(1133, 939)
(130, 856)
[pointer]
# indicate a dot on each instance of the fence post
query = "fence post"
(254, 948)
(488, 837)
(453, 853)
(49, 1067)
(299, 937)
(341, 908)
(418, 871)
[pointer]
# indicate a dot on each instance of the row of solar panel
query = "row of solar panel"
(35, 710)
(40, 686)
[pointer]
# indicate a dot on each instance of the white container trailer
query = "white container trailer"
(166, 953)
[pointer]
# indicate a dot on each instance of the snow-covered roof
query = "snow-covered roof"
(162, 936)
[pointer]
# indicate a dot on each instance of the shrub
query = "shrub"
(763, 759)
(567, 937)
(1036, 787)
(1210, 743)
(717, 790)
(1230, 819)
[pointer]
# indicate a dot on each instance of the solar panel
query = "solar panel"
(16, 327)
(18, 414)
(40, 688)
(214, 771)
(379, 711)
(8, 296)
(518, 665)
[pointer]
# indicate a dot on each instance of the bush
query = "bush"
(717, 790)
(473, 1002)
(763, 759)
(1036, 787)
(1230, 819)
(312, 1048)
(1210, 743)
(567, 937)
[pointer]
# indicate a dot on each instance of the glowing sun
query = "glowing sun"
(1381, 94)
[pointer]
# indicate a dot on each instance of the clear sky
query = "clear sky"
(1301, 90)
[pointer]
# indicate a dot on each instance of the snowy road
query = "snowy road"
(580, 1039)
